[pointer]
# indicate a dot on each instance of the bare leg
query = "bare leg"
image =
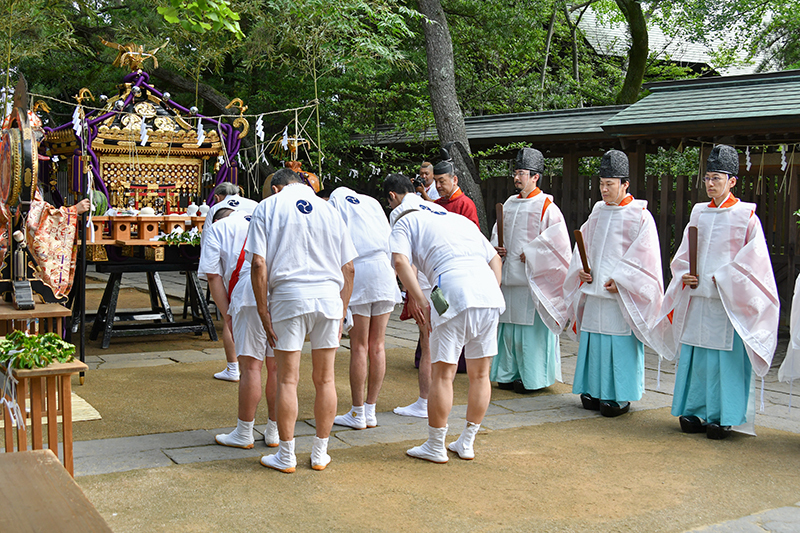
(249, 387)
(227, 342)
(271, 387)
(440, 401)
(377, 356)
(424, 363)
(325, 400)
(288, 364)
(480, 388)
(359, 349)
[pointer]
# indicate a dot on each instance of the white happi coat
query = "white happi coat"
(412, 202)
(305, 244)
(452, 253)
(534, 226)
(219, 254)
(369, 229)
(730, 248)
(790, 368)
(232, 201)
(621, 244)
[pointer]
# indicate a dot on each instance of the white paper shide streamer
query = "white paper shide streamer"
(201, 134)
(143, 133)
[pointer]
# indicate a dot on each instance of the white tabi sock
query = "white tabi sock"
(464, 445)
(369, 413)
(418, 409)
(433, 449)
(271, 434)
(319, 453)
(241, 437)
(352, 419)
(283, 461)
(231, 373)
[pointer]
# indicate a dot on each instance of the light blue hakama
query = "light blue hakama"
(715, 385)
(610, 367)
(531, 353)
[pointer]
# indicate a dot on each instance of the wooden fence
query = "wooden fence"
(670, 200)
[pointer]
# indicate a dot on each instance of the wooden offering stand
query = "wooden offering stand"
(49, 389)
(127, 231)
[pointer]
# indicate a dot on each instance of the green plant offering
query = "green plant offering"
(20, 350)
(184, 237)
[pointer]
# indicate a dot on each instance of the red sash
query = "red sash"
(235, 276)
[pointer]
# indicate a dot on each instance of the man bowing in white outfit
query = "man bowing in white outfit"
(303, 254)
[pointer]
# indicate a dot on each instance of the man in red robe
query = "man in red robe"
(451, 197)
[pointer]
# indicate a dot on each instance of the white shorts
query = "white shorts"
(248, 334)
(373, 308)
(474, 330)
(323, 332)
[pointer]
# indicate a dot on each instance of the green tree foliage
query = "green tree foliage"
(367, 58)
(202, 16)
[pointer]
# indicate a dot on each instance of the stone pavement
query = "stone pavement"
(149, 451)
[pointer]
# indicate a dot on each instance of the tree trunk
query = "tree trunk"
(573, 29)
(216, 99)
(444, 101)
(637, 55)
(550, 31)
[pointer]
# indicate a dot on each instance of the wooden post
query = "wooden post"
(66, 422)
(52, 415)
(570, 180)
(636, 171)
(22, 435)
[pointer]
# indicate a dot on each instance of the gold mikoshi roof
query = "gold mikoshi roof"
(121, 132)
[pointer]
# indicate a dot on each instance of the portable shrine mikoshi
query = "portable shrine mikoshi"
(141, 149)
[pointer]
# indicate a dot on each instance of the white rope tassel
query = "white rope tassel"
(10, 389)
(762, 395)
(658, 376)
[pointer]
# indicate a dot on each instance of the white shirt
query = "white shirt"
(219, 254)
(707, 322)
(432, 192)
(524, 221)
(305, 244)
(453, 254)
(232, 201)
(609, 242)
(369, 229)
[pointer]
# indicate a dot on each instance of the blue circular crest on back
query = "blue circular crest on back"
(352, 200)
(304, 206)
(233, 203)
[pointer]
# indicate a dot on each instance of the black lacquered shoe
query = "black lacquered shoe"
(691, 424)
(519, 387)
(505, 386)
(612, 409)
(589, 403)
(717, 432)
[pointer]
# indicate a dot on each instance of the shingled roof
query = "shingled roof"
(554, 128)
(758, 108)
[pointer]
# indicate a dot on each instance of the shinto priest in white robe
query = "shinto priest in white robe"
(726, 328)
(621, 244)
(527, 336)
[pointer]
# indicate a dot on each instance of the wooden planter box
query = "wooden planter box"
(50, 392)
